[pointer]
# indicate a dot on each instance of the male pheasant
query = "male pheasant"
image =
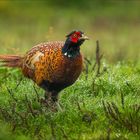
(53, 66)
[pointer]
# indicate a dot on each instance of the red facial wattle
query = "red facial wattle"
(74, 40)
(75, 37)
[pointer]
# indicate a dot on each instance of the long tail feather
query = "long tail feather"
(11, 60)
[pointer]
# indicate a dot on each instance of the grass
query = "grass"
(101, 107)
(115, 25)
(104, 106)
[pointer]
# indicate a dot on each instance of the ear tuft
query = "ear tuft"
(70, 33)
(74, 32)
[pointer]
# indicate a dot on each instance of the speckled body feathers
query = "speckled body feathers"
(49, 68)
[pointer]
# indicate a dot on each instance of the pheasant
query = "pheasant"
(53, 66)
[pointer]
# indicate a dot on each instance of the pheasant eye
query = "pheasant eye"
(75, 35)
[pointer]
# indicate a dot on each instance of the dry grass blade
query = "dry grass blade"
(20, 80)
(64, 133)
(11, 94)
(98, 58)
(37, 95)
(87, 63)
(53, 131)
(122, 100)
(122, 119)
(87, 60)
(30, 106)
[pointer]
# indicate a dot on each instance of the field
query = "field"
(98, 106)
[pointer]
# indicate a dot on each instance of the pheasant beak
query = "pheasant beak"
(83, 37)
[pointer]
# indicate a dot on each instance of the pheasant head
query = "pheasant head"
(72, 44)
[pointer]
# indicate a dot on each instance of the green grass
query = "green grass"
(103, 107)
(97, 108)
(115, 24)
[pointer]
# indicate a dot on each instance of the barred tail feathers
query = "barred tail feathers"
(11, 60)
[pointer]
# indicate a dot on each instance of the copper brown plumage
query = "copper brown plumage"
(53, 65)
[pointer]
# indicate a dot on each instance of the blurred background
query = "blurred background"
(115, 23)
